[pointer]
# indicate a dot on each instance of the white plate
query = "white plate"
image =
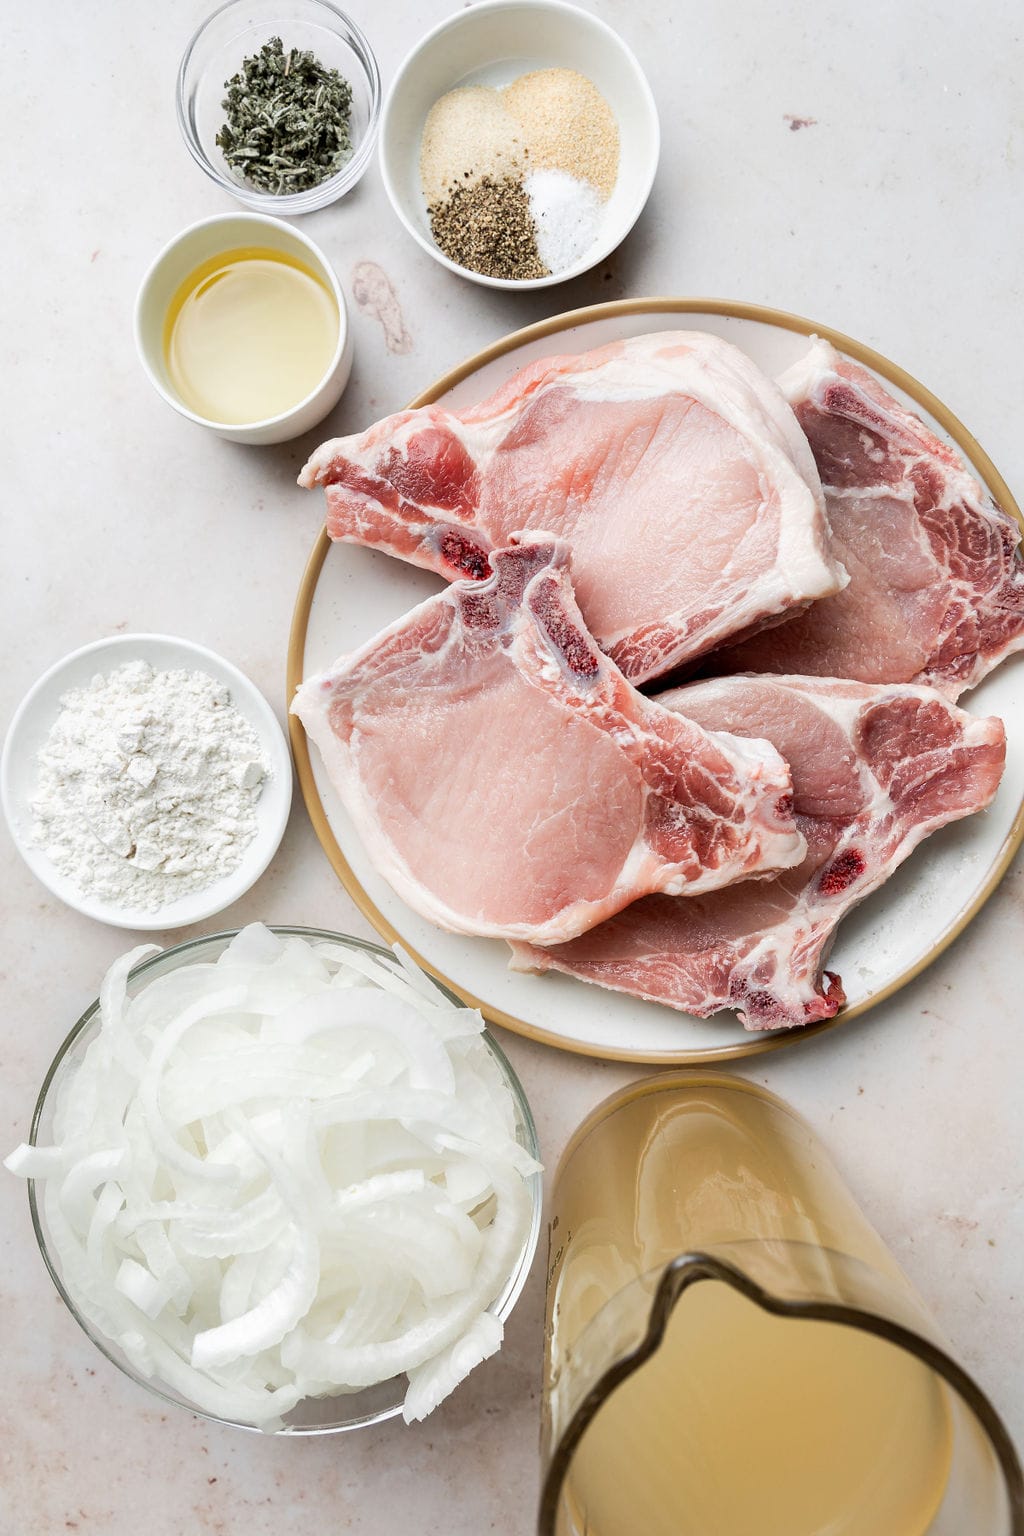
(350, 593)
(31, 725)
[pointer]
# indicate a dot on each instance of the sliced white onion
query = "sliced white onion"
(161, 1256)
(431, 1383)
(409, 1181)
(225, 1234)
(254, 946)
(113, 995)
(35, 1162)
(293, 1172)
(275, 1315)
(141, 1288)
(80, 1181)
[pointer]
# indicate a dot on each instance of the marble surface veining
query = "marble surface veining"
(860, 165)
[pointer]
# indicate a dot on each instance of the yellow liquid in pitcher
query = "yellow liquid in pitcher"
(744, 1424)
(248, 335)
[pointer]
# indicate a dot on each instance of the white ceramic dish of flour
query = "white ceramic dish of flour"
(34, 719)
(493, 43)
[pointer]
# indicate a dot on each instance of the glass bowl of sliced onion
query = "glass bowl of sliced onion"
(284, 1179)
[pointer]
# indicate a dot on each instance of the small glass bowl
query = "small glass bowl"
(312, 1416)
(237, 31)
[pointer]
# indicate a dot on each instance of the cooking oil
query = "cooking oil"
(248, 335)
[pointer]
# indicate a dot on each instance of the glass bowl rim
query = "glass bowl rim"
(503, 1304)
(332, 187)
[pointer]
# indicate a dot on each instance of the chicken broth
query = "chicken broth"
(248, 335)
(745, 1424)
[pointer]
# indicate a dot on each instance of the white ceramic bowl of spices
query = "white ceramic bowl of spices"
(241, 325)
(519, 142)
(146, 781)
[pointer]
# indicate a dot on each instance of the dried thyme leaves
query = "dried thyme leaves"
(487, 226)
(288, 116)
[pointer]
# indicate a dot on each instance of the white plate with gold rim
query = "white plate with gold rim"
(348, 593)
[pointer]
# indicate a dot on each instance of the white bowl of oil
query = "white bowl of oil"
(241, 325)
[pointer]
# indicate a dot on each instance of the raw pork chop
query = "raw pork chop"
(509, 782)
(875, 769)
(671, 464)
(936, 591)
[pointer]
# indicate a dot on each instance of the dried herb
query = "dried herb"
(287, 123)
(487, 227)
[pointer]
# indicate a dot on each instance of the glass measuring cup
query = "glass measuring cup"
(730, 1348)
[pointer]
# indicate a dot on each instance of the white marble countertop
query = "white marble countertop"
(859, 165)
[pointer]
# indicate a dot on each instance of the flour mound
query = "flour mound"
(148, 783)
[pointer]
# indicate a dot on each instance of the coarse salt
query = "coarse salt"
(567, 215)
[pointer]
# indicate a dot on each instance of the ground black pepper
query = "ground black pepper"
(487, 227)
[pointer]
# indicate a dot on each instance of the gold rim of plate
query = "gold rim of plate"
(757, 1044)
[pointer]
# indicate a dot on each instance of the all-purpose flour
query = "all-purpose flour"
(148, 783)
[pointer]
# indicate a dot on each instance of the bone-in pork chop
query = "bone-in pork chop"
(670, 463)
(936, 591)
(875, 770)
(509, 782)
